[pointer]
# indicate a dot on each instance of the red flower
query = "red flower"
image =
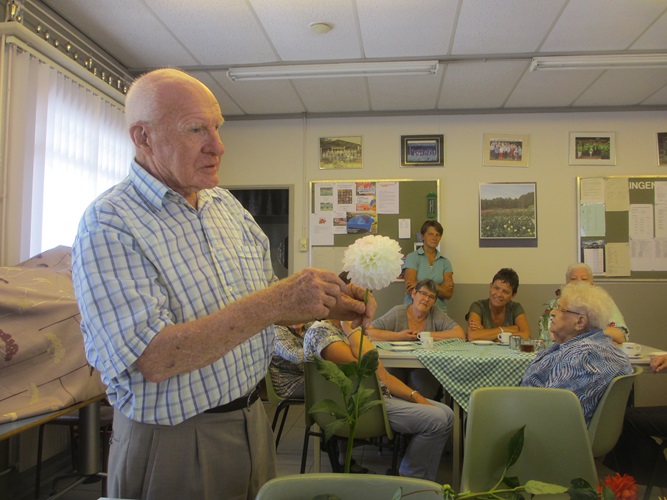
(624, 487)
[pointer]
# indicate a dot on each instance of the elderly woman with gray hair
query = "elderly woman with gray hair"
(580, 273)
(582, 359)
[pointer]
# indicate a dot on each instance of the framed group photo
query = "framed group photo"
(340, 152)
(422, 151)
(592, 148)
(505, 150)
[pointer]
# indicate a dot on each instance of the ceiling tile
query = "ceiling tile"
(657, 99)
(654, 38)
(287, 24)
(550, 88)
(320, 95)
(227, 104)
(127, 30)
(404, 29)
(486, 27)
(596, 25)
(467, 83)
(404, 92)
(261, 97)
(215, 32)
(623, 87)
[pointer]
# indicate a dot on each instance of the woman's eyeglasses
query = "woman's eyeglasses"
(427, 295)
(557, 307)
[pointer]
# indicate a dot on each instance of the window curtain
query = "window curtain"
(66, 144)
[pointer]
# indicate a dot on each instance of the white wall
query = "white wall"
(273, 152)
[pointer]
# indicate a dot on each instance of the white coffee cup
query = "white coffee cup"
(504, 337)
(426, 339)
(631, 349)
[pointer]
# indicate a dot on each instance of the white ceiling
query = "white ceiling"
(485, 47)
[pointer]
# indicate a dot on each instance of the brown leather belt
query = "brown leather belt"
(237, 404)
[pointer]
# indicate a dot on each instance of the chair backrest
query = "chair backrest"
(373, 423)
(606, 424)
(271, 393)
(556, 447)
(346, 487)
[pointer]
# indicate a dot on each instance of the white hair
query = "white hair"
(590, 300)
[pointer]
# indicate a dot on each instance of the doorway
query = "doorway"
(271, 209)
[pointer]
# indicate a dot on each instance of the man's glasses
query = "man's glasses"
(427, 295)
(557, 307)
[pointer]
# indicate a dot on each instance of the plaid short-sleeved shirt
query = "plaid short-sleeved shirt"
(144, 259)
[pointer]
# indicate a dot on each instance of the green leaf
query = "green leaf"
(329, 407)
(511, 482)
(398, 494)
(515, 447)
(608, 493)
(580, 483)
(369, 363)
(368, 405)
(332, 427)
(331, 372)
(540, 488)
(581, 489)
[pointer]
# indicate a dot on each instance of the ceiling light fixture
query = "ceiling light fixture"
(334, 70)
(320, 28)
(621, 61)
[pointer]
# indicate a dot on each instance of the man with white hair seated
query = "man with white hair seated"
(582, 359)
(581, 273)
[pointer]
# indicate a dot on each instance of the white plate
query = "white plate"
(634, 356)
(404, 342)
(403, 348)
(656, 353)
(482, 342)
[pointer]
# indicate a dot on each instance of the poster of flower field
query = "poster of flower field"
(508, 214)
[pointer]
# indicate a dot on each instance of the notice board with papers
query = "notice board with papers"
(342, 211)
(622, 226)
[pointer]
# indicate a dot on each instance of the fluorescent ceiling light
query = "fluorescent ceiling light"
(334, 70)
(624, 61)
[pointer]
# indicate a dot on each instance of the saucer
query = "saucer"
(503, 343)
(403, 348)
(482, 342)
(634, 356)
(404, 342)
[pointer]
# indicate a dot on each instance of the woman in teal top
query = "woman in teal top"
(489, 317)
(428, 263)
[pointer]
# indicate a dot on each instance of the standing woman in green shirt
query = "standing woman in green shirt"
(428, 263)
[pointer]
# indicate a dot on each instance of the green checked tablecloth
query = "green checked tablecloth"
(461, 367)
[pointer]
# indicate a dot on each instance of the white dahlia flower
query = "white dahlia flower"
(373, 262)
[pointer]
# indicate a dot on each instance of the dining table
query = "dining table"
(461, 367)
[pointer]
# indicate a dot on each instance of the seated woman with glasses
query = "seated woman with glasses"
(580, 273)
(405, 322)
(487, 318)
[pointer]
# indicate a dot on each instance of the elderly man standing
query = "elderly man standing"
(172, 278)
(583, 359)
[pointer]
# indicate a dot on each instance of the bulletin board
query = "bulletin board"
(412, 204)
(622, 226)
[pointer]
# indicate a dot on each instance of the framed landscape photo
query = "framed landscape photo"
(508, 214)
(662, 149)
(592, 148)
(422, 151)
(340, 152)
(505, 150)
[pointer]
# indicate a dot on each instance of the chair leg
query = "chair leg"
(282, 425)
(394, 454)
(304, 453)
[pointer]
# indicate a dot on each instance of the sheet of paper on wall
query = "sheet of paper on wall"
(617, 259)
(660, 254)
(642, 255)
(346, 197)
(641, 222)
(591, 190)
(321, 229)
(387, 198)
(617, 195)
(660, 221)
(324, 197)
(404, 229)
(592, 219)
(660, 192)
(339, 223)
(594, 257)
